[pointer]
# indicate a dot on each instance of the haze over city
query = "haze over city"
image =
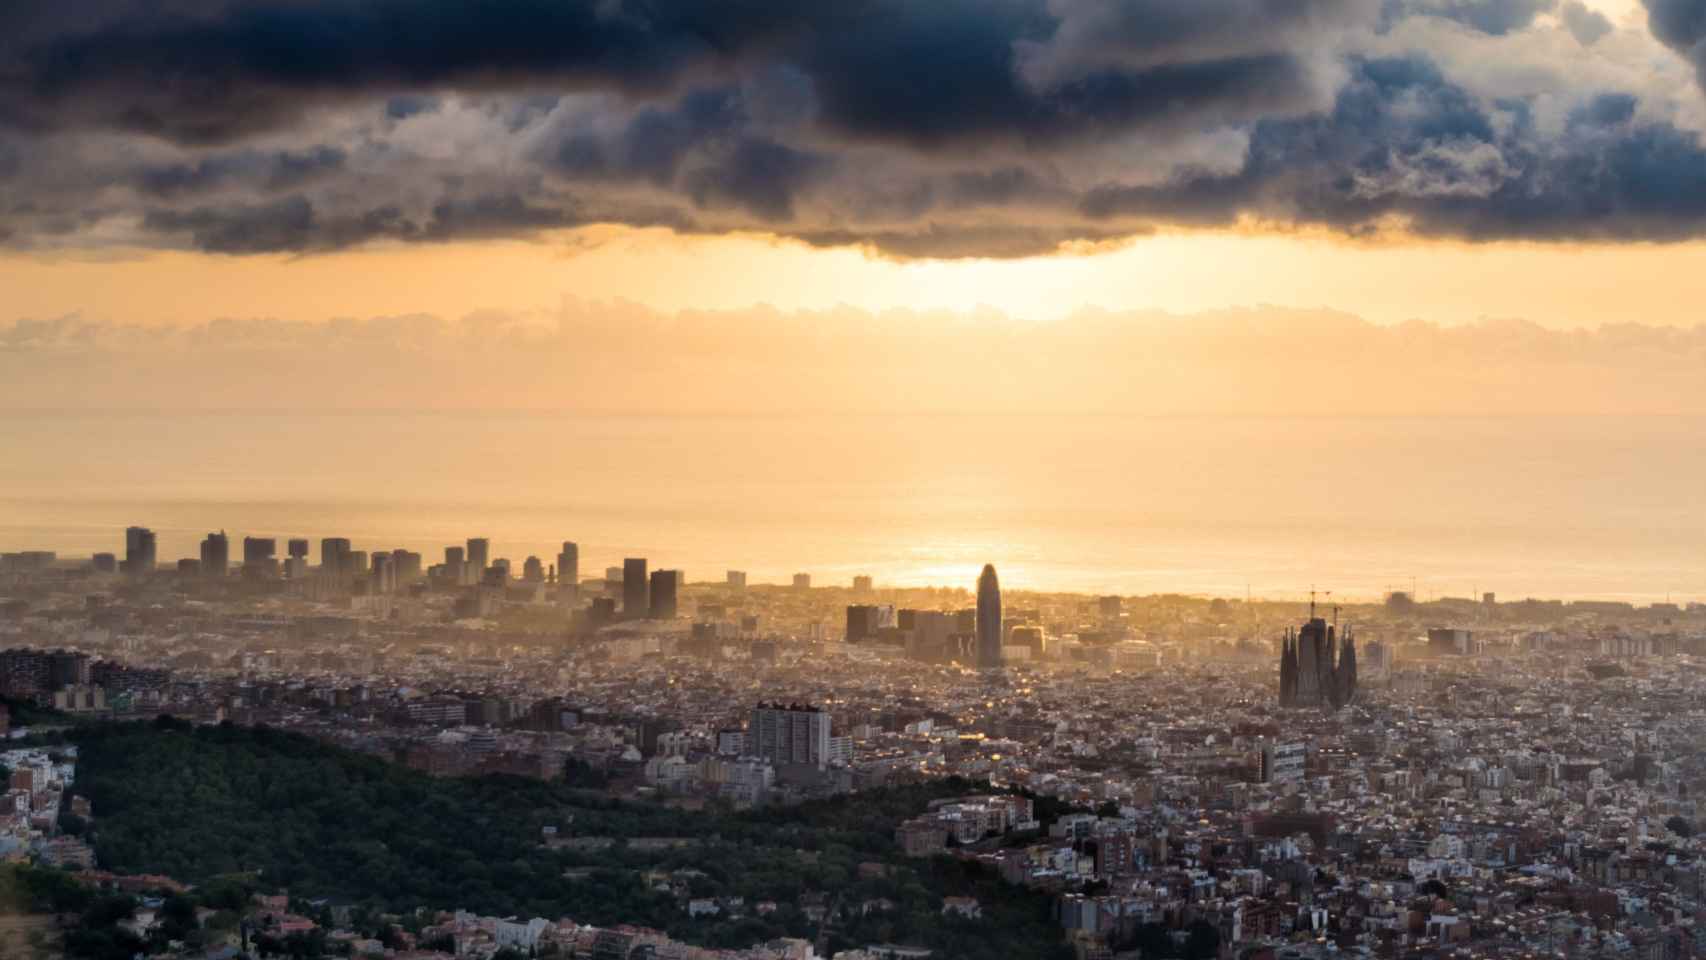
(852, 479)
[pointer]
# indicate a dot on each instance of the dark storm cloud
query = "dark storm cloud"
(654, 142)
(224, 70)
(288, 225)
(281, 170)
(921, 73)
(757, 176)
(1404, 141)
(1681, 25)
(496, 214)
(941, 128)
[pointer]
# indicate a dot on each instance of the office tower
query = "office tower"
(216, 555)
(384, 579)
(533, 570)
(258, 559)
(988, 618)
(296, 547)
(1110, 607)
(104, 563)
(928, 634)
(569, 564)
(636, 597)
(737, 579)
(789, 734)
(355, 562)
(455, 563)
(334, 555)
(189, 567)
(662, 602)
(479, 553)
(861, 584)
(865, 620)
(802, 581)
(139, 551)
(406, 564)
(496, 575)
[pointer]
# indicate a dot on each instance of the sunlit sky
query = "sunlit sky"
(244, 209)
(1447, 282)
(759, 285)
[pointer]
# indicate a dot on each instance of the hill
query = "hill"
(201, 802)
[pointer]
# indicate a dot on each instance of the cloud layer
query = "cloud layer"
(950, 128)
(620, 358)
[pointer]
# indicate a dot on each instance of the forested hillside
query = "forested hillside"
(201, 802)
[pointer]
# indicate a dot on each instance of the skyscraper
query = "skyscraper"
(139, 551)
(216, 555)
(636, 600)
(664, 584)
(334, 553)
(569, 564)
(988, 618)
(382, 575)
(479, 554)
(259, 561)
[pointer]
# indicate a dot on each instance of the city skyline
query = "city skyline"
(639, 591)
(853, 479)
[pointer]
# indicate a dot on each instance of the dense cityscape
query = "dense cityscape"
(959, 768)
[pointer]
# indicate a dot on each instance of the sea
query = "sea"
(1272, 507)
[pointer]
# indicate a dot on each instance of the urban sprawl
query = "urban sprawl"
(1175, 776)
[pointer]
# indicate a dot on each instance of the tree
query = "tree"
(1680, 826)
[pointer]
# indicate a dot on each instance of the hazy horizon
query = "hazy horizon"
(1563, 507)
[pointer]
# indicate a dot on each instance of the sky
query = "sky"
(305, 161)
(1126, 294)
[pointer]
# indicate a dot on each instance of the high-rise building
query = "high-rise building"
(636, 598)
(334, 555)
(928, 633)
(789, 734)
(259, 561)
(104, 563)
(802, 581)
(737, 579)
(479, 553)
(139, 551)
(1450, 641)
(569, 564)
(864, 620)
(663, 595)
(861, 584)
(407, 565)
(383, 575)
(296, 548)
(533, 570)
(216, 555)
(988, 618)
